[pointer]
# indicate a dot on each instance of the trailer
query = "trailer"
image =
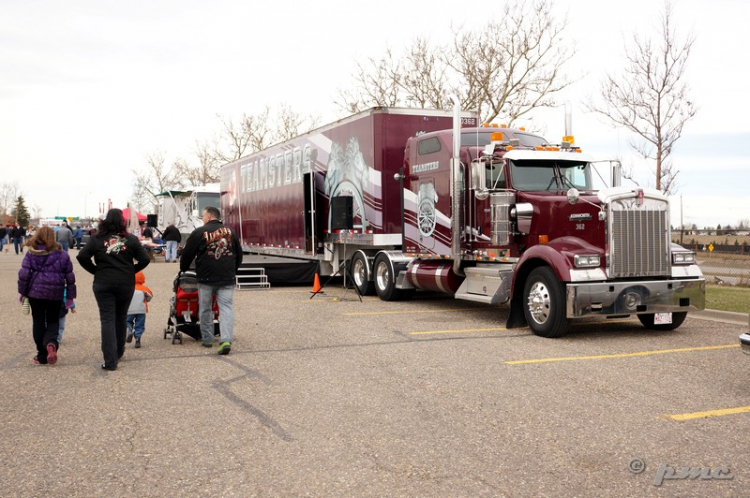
(410, 199)
(184, 207)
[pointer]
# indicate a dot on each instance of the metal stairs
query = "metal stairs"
(251, 279)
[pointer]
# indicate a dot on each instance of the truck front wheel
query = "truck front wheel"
(544, 303)
(648, 321)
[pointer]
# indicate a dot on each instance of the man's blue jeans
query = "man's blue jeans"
(224, 296)
(171, 251)
(18, 243)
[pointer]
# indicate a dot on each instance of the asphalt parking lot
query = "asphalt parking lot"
(331, 396)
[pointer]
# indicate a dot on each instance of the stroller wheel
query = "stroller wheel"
(174, 338)
(166, 332)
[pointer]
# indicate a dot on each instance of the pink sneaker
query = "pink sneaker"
(51, 354)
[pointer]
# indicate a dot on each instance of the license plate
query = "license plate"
(662, 318)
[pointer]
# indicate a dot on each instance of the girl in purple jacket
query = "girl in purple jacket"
(45, 275)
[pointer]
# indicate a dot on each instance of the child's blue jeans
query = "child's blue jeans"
(136, 324)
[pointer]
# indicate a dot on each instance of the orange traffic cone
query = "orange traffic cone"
(317, 289)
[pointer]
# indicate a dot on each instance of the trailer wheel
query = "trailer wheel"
(648, 321)
(361, 275)
(544, 304)
(385, 280)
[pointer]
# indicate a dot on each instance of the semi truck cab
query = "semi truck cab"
(535, 231)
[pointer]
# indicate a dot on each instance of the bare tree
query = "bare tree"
(374, 85)
(514, 65)
(9, 192)
(251, 132)
(507, 69)
(425, 76)
(157, 177)
(258, 131)
(289, 124)
(651, 98)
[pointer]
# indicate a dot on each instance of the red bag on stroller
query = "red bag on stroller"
(184, 316)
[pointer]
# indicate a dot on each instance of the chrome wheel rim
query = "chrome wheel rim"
(539, 303)
(381, 276)
(359, 272)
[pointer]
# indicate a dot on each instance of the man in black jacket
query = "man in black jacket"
(171, 237)
(18, 234)
(218, 254)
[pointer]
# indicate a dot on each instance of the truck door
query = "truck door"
(429, 183)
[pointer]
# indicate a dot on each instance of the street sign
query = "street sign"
(711, 247)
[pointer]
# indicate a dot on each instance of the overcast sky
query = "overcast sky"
(89, 88)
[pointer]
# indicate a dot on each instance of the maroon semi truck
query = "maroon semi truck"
(408, 199)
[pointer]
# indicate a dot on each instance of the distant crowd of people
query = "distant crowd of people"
(66, 236)
(117, 258)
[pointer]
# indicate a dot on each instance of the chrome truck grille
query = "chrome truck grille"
(639, 239)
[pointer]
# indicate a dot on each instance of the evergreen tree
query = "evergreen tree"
(20, 213)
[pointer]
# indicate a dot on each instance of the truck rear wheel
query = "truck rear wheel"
(360, 274)
(384, 279)
(544, 303)
(648, 321)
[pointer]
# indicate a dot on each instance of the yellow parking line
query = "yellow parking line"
(621, 355)
(710, 413)
(403, 312)
(459, 331)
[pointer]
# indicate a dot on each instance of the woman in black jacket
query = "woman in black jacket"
(117, 257)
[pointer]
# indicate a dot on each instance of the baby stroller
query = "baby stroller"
(183, 309)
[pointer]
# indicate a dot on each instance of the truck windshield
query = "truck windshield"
(206, 199)
(550, 175)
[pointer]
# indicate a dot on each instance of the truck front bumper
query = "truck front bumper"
(628, 298)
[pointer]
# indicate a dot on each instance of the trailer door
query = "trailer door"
(311, 230)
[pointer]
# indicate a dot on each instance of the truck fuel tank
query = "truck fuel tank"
(434, 275)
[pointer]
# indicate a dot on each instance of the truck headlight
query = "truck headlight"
(683, 258)
(587, 261)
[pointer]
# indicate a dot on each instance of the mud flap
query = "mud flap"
(516, 317)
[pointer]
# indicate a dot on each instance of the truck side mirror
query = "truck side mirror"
(477, 176)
